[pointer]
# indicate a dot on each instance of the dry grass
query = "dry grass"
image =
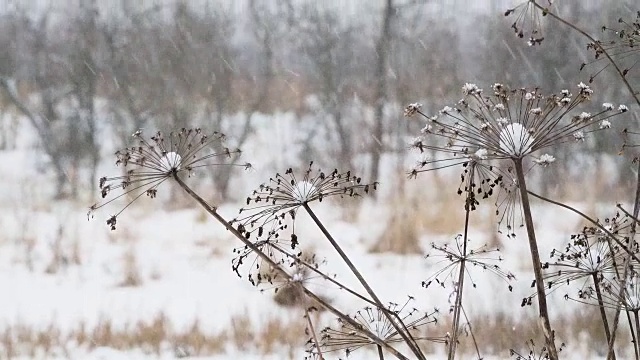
(402, 234)
(155, 337)
(495, 334)
(132, 277)
(423, 212)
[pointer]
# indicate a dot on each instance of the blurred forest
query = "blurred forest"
(81, 72)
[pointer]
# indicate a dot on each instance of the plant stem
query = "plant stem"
(404, 333)
(458, 302)
(312, 330)
(473, 336)
(603, 313)
(635, 343)
(380, 353)
(537, 265)
(213, 212)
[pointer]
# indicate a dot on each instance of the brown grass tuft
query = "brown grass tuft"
(132, 277)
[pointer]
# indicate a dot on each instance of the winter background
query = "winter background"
(288, 82)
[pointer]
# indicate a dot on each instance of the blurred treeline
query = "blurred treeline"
(83, 75)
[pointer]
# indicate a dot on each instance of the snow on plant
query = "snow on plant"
(505, 124)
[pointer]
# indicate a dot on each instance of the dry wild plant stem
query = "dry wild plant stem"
(603, 313)
(213, 212)
(406, 336)
(325, 276)
(473, 337)
(460, 285)
(635, 314)
(380, 353)
(537, 265)
(312, 330)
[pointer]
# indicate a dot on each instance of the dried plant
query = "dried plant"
(621, 45)
(349, 338)
(153, 161)
(533, 353)
(510, 125)
(527, 23)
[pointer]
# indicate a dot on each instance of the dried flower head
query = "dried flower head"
(591, 258)
(506, 124)
(152, 161)
(478, 180)
(283, 250)
(284, 194)
(452, 257)
(483, 129)
(349, 338)
(621, 44)
(527, 23)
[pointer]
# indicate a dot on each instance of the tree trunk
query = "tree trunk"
(382, 48)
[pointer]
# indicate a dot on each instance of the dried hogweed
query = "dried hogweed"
(621, 45)
(527, 22)
(505, 124)
(152, 161)
(588, 258)
(591, 256)
(285, 193)
(349, 338)
(451, 257)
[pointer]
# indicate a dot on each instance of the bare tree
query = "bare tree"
(83, 70)
(382, 50)
(330, 50)
(133, 68)
(45, 78)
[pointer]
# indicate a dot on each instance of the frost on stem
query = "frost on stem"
(150, 162)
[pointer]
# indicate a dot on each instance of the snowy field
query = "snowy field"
(166, 272)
